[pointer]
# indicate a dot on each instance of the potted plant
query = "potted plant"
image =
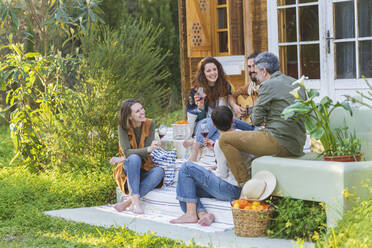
(316, 115)
(348, 146)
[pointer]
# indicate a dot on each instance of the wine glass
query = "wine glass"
(204, 130)
(162, 131)
(201, 93)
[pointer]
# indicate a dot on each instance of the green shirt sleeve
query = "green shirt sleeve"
(262, 106)
(125, 145)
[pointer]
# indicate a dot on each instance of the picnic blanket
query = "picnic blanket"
(161, 205)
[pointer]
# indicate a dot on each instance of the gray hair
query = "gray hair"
(267, 60)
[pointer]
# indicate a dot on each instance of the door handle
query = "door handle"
(329, 38)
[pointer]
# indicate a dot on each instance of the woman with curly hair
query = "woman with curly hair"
(211, 90)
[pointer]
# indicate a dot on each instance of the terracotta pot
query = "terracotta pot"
(343, 158)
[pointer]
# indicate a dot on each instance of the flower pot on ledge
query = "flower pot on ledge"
(343, 158)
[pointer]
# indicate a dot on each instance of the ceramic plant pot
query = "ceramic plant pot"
(343, 158)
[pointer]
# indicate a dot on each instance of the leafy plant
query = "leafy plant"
(347, 143)
(316, 115)
(366, 96)
(115, 65)
(47, 26)
(355, 228)
(163, 12)
(6, 149)
(295, 219)
(33, 87)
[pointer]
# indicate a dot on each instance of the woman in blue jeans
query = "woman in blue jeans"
(136, 136)
(194, 181)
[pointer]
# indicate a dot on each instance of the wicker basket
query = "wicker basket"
(251, 223)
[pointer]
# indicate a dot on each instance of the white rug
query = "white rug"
(161, 217)
(161, 205)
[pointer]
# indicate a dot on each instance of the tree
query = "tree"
(165, 14)
(47, 26)
(33, 86)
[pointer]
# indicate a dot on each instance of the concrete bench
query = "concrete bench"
(316, 180)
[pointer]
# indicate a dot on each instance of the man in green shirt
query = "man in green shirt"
(280, 137)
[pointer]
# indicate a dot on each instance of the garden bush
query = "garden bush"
(6, 150)
(58, 126)
(163, 12)
(33, 94)
(47, 27)
(115, 65)
(297, 219)
(355, 228)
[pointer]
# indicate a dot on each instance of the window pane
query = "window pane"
(307, 1)
(221, 1)
(365, 55)
(286, 2)
(345, 60)
(287, 25)
(288, 60)
(365, 17)
(310, 63)
(222, 42)
(222, 18)
(309, 23)
(344, 20)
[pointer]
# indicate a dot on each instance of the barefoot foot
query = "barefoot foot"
(185, 219)
(136, 209)
(136, 206)
(122, 206)
(206, 219)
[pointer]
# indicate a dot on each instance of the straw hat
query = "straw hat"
(260, 187)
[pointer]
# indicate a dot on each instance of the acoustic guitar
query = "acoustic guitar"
(246, 102)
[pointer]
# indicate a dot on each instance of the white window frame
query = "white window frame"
(327, 84)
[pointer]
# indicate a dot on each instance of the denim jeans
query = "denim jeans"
(213, 133)
(194, 181)
(141, 182)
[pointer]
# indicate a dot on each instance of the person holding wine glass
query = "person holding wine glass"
(137, 173)
(211, 90)
(195, 181)
(162, 131)
(204, 129)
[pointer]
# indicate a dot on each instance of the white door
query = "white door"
(330, 41)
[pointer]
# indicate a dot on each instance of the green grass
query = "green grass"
(25, 195)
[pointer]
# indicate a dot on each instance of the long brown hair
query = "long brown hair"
(125, 112)
(221, 86)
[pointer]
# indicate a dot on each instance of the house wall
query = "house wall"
(249, 34)
(184, 63)
(255, 26)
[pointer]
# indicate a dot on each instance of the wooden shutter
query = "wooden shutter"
(198, 28)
